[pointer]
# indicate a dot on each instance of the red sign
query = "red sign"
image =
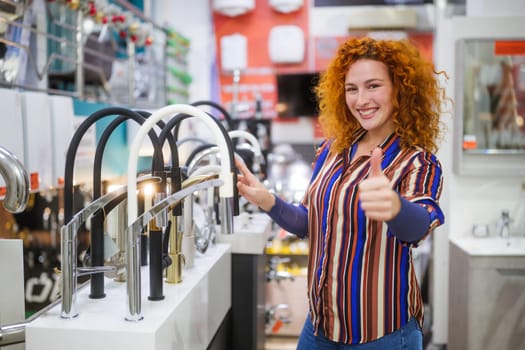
(509, 48)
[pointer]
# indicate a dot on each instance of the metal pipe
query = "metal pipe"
(17, 181)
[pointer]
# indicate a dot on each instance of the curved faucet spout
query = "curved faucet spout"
(133, 242)
(226, 191)
(69, 268)
(17, 182)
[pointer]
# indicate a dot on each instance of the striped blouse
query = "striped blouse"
(361, 280)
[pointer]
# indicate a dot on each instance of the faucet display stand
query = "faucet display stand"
(188, 317)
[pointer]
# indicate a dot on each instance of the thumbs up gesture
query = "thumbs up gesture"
(378, 200)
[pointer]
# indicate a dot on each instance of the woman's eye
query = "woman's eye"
(350, 89)
(373, 86)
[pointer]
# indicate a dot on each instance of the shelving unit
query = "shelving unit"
(286, 298)
(92, 50)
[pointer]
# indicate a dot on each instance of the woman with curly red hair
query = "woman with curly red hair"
(373, 196)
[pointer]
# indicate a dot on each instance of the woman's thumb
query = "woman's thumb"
(375, 162)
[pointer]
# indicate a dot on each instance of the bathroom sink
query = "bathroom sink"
(250, 233)
(492, 246)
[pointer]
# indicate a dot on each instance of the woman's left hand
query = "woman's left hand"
(378, 200)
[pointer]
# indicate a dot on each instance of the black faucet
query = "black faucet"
(97, 237)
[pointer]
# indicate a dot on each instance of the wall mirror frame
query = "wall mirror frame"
(489, 137)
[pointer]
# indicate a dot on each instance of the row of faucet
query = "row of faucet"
(166, 214)
(165, 203)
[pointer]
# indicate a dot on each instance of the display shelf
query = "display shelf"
(190, 314)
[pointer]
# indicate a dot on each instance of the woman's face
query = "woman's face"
(368, 91)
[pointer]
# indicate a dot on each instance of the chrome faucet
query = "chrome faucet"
(17, 182)
(504, 224)
(97, 232)
(133, 231)
(69, 269)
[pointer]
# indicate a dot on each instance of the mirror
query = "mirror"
(490, 104)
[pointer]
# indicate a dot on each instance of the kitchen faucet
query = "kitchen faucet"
(97, 236)
(226, 190)
(156, 261)
(504, 224)
(133, 243)
(17, 182)
(69, 270)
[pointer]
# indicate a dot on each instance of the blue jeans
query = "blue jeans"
(408, 337)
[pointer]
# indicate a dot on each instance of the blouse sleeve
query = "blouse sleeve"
(422, 184)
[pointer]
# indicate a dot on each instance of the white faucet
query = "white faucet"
(226, 192)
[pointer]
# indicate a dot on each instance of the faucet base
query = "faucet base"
(174, 271)
(68, 316)
(134, 318)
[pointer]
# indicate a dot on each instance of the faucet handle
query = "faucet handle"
(89, 270)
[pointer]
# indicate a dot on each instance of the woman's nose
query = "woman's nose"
(362, 97)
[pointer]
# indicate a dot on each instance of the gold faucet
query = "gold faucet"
(174, 271)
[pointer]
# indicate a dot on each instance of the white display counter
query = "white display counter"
(187, 318)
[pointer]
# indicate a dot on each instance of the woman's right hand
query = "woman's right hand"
(252, 189)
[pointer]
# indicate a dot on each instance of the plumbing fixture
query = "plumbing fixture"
(206, 234)
(175, 123)
(227, 190)
(185, 233)
(69, 270)
(17, 182)
(174, 271)
(191, 139)
(255, 147)
(185, 223)
(97, 221)
(97, 235)
(228, 193)
(155, 236)
(209, 149)
(227, 116)
(202, 239)
(133, 243)
(504, 224)
(274, 275)
(271, 312)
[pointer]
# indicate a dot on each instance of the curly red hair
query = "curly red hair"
(417, 95)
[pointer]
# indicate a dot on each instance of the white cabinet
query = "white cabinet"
(486, 300)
